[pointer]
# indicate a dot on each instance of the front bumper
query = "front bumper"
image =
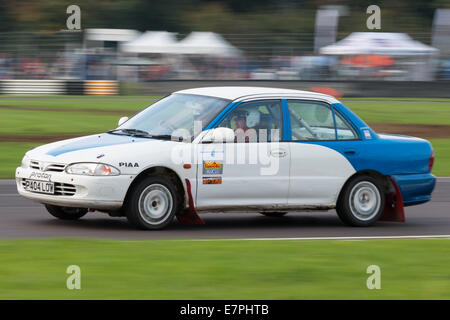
(92, 192)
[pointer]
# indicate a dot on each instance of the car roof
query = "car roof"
(245, 93)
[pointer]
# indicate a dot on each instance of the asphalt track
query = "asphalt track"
(21, 218)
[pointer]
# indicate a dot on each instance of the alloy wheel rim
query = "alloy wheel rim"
(365, 201)
(155, 204)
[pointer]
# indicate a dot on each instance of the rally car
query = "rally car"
(244, 149)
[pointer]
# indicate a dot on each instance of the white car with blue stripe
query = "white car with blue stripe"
(244, 149)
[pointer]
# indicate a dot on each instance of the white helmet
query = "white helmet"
(253, 118)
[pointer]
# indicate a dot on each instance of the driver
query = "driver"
(246, 120)
(240, 119)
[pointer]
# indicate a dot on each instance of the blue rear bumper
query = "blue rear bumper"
(415, 188)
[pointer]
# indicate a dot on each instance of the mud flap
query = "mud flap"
(393, 208)
(190, 216)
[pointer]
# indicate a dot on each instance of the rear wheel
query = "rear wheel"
(153, 203)
(66, 213)
(361, 203)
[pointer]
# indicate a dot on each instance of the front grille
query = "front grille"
(61, 189)
(34, 164)
(55, 167)
(47, 166)
(64, 189)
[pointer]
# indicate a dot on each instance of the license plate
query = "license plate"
(39, 186)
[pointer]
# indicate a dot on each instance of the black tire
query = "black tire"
(361, 202)
(66, 213)
(152, 212)
(274, 214)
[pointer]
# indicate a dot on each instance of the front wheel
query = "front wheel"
(66, 213)
(361, 203)
(153, 203)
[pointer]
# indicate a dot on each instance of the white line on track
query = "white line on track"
(439, 236)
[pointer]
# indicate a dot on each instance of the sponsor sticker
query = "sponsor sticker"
(367, 134)
(212, 180)
(212, 167)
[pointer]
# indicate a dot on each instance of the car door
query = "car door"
(254, 170)
(317, 169)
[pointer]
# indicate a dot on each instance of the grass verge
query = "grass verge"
(441, 148)
(11, 154)
(402, 112)
(21, 122)
(168, 269)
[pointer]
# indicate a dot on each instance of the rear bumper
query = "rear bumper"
(415, 188)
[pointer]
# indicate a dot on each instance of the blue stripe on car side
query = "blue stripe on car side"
(287, 133)
(101, 140)
(215, 122)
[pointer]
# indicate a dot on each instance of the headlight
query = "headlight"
(25, 162)
(92, 169)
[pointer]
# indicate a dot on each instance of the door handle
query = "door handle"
(350, 152)
(278, 153)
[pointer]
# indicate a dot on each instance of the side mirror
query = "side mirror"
(122, 121)
(219, 135)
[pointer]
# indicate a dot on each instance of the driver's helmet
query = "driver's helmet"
(253, 118)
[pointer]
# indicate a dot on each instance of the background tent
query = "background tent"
(207, 43)
(152, 42)
(118, 35)
(378, 43)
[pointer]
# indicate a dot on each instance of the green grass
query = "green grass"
(441, 157)
(84, 97)
(402, 112)
(49, 122)
(81, 104)
(11, 154)
(168, 269)
(20, 122)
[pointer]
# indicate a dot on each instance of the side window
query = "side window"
(255, 121)
(344, 130)
(311, 120)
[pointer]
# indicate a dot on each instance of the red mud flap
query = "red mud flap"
(393, 209)
(190, 216)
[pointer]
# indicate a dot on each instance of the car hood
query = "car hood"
(106, 148)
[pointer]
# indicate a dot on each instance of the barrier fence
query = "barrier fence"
(410, 89)
(55, 87)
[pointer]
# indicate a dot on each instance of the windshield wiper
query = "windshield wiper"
(132, 132)
(166, 137)
(145, 134)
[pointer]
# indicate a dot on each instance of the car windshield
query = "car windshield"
(177, 115)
